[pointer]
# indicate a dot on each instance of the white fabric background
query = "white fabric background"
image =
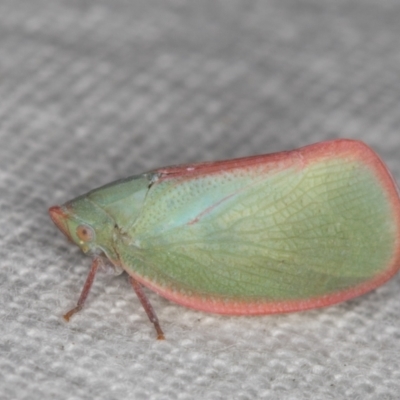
(95, 90)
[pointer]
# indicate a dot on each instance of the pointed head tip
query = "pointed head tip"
(60, 219)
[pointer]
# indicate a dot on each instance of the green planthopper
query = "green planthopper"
(264, 234)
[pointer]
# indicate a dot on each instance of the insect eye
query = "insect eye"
(85, 233)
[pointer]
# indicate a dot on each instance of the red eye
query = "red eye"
(85, 233)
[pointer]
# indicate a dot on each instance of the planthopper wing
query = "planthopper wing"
(273, 233)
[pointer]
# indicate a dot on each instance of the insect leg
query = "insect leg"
(97, 261)
(137, 287)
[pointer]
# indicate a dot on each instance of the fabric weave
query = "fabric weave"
(92, 91)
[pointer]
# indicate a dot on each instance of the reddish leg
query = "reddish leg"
(137, 287)
(86, 288)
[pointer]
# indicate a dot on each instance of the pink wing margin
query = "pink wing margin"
(349, 150)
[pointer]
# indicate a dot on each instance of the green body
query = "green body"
(273, 231)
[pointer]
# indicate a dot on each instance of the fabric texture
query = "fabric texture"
(93, 91)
